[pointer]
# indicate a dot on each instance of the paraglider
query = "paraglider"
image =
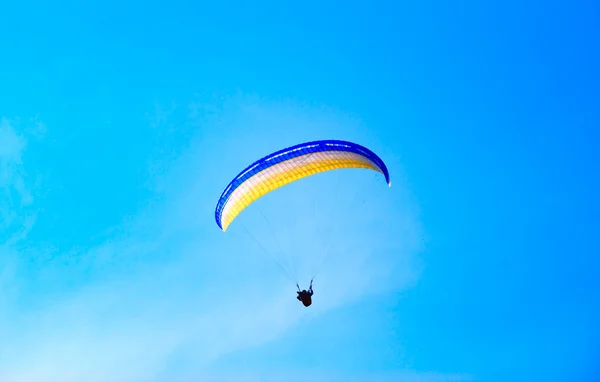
(286, 166)
(305, 296)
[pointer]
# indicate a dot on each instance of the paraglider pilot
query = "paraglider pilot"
(305, 295)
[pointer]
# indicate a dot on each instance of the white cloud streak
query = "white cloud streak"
(15, 194)
(17, 186)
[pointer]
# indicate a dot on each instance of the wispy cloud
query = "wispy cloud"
(164, 282)
(18, 184)
(15, 193)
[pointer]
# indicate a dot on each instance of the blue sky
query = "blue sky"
(120, 125)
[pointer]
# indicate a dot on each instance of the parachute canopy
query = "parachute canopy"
(288, 165)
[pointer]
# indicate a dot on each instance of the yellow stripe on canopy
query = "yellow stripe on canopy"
(286, 172)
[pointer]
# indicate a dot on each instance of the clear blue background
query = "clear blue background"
(487, 112)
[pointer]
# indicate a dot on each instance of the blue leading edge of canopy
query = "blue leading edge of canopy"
(290, 153)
